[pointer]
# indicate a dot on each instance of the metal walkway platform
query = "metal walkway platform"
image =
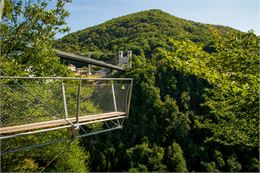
(68, 108)
(64, 123)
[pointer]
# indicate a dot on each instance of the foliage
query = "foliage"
(72, 158)
(140, 32)
(144, 158)
(175, 158)
(233, 100)
(233, 165)
(37, 101)
(194, 84)
(195, 96)
(28, 29)
(68, 162)
(27, 34)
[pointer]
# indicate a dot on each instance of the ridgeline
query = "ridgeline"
(140, 32)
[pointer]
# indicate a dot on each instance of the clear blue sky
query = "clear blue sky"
(240, 14)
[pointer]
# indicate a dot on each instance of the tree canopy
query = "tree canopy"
(28, 29)
(195, 96)
(27, 34)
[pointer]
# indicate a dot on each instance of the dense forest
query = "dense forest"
(195, 102)
(141, 32)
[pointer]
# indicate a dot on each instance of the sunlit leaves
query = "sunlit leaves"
(28, 29)
(232, 71)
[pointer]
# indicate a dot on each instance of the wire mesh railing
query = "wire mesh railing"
(31, 101)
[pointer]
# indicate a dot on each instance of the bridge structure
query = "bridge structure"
(88, 60)
(46, 110)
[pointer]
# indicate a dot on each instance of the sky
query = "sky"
(243, 15)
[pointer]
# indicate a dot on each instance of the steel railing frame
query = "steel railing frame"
(77, 124)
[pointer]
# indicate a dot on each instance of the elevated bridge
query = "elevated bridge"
(79, 58)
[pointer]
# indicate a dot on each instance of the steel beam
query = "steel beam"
(71, 56)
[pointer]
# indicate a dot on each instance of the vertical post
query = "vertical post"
(64, 100)
(120, 57)
(114, 97)
(89, 69)
(129, 55)
(78, 104)
(129, 97)
(1, 13)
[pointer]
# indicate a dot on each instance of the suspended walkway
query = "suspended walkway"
(79, 58)
(67, 107)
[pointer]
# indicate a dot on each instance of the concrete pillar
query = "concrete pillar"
(129, 55)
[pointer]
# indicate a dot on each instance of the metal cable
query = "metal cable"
(54, 158)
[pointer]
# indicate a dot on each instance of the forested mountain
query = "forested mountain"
(195, 95)
(140, 32)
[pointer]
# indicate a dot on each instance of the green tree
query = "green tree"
(143, 158)
(233, 98)
(175, 158)
(230, 101)
(210, 167)
(233, 164)
(174, 123)
(71, 158)
(234, 102)
(28, 29)
(192, 85)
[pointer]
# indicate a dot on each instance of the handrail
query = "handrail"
(110, 95)
(72, 78)
(105, 101)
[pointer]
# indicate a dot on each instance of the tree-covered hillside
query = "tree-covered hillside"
(140, 32)
(194, 107)
(195, 95)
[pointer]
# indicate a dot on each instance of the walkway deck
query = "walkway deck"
(60, 122)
